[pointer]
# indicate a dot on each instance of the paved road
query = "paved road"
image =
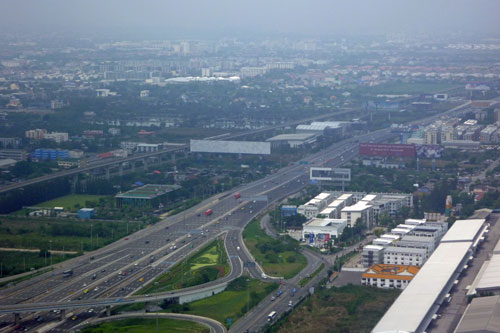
(151, 251)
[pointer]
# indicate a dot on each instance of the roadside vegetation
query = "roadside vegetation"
(278, 257)
(240, 296)
(207, 264)
(346, 309)
(306, 280)
(146, 325)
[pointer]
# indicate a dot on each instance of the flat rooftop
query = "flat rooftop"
(292, 137)
(148, 191)
(463, 231)
(490, 280)
(325, 223)
(357, 207)
(415, 304)
(482, 315)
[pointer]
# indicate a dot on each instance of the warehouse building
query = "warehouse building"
(482, 315)
(150, 195)
(292, 140)
(415, 308)
(322, 230)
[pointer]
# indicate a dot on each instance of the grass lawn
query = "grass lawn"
(345, 309)
(240, 294)
(305, 280)
(69, 201)
(207, 264)
(56, 234)
(277, 257)
(146, 325)
(16, 262)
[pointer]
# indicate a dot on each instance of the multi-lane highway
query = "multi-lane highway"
(114, 272)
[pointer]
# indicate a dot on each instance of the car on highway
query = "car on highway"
(74, 318)
(273, 298)
(290, 303)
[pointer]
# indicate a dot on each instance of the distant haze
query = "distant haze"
(312, 17)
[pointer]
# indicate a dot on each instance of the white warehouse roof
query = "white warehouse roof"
(463, 230)
(417, 301)
(490, 280)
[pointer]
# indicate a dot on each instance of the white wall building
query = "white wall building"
(404, 256)
(323, 229)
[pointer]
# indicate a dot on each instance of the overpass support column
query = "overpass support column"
(63, 314)
(147, 306)
(132, 166)
(74, 183)
(108, 173)
(108, 310)
(145, 163)
(120, 169)
(17, 318)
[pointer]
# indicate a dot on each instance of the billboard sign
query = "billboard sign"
(329, 174)
(231, 147)
(386, 149)
(429, 151)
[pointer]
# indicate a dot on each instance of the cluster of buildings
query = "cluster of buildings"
(352, 206)
(456, 133)
(329, 213)
(411, 243)
(429, 290)
(39, 134)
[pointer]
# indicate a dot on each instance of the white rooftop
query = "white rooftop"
(369, 197)
(373, 247)
(336, 203)
(325, 222)
(323, 196)
(415, 221)
(389, 236)
(414, 304)
(491, 275)
(400, 231)
(357, 207)
(463, 230)
(344, 196)
(328, 210)
(291, 137)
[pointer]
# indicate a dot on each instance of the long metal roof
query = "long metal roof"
(463, 230)
(416, 302)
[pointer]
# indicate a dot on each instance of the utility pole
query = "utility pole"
(91, 237)
(50, 242)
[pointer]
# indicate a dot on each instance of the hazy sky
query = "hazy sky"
(314, 17)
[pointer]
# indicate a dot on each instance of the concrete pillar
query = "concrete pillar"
(17, 318)
(74, 183)
(63, 315)
(147, 306)
(108, 310)
(108, 173)
(132, 166)
(145, 163)
(120, 169)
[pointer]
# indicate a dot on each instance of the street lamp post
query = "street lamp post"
(50, 247)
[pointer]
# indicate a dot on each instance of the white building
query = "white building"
(389, 276)
(323, 230)
(149, 147)
(314, 206)
(372, 255)
(58, 137)
(404, 256)
(360, 210)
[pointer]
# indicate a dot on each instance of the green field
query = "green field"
(345, 309)
(207, 264)
(15, 262)
(72, 202)
(279, 257)
(56, 234)
(146, 325)
(241, 294)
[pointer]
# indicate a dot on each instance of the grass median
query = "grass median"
(241, 295)
(278, 257)
(207, 264)
(146, 325)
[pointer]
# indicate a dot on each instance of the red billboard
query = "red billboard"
(386, 149)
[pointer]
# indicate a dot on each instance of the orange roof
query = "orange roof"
(394, 272)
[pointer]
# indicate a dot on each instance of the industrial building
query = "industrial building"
(322, 230)
(86, 213)
(150, 195)
(389, 276)
(415, 308)
(482, 315)
(292, 140)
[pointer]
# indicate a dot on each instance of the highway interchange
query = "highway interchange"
(148, 253)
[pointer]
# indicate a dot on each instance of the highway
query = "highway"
(148, 253)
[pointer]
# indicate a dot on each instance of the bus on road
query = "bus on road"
(272, 316)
